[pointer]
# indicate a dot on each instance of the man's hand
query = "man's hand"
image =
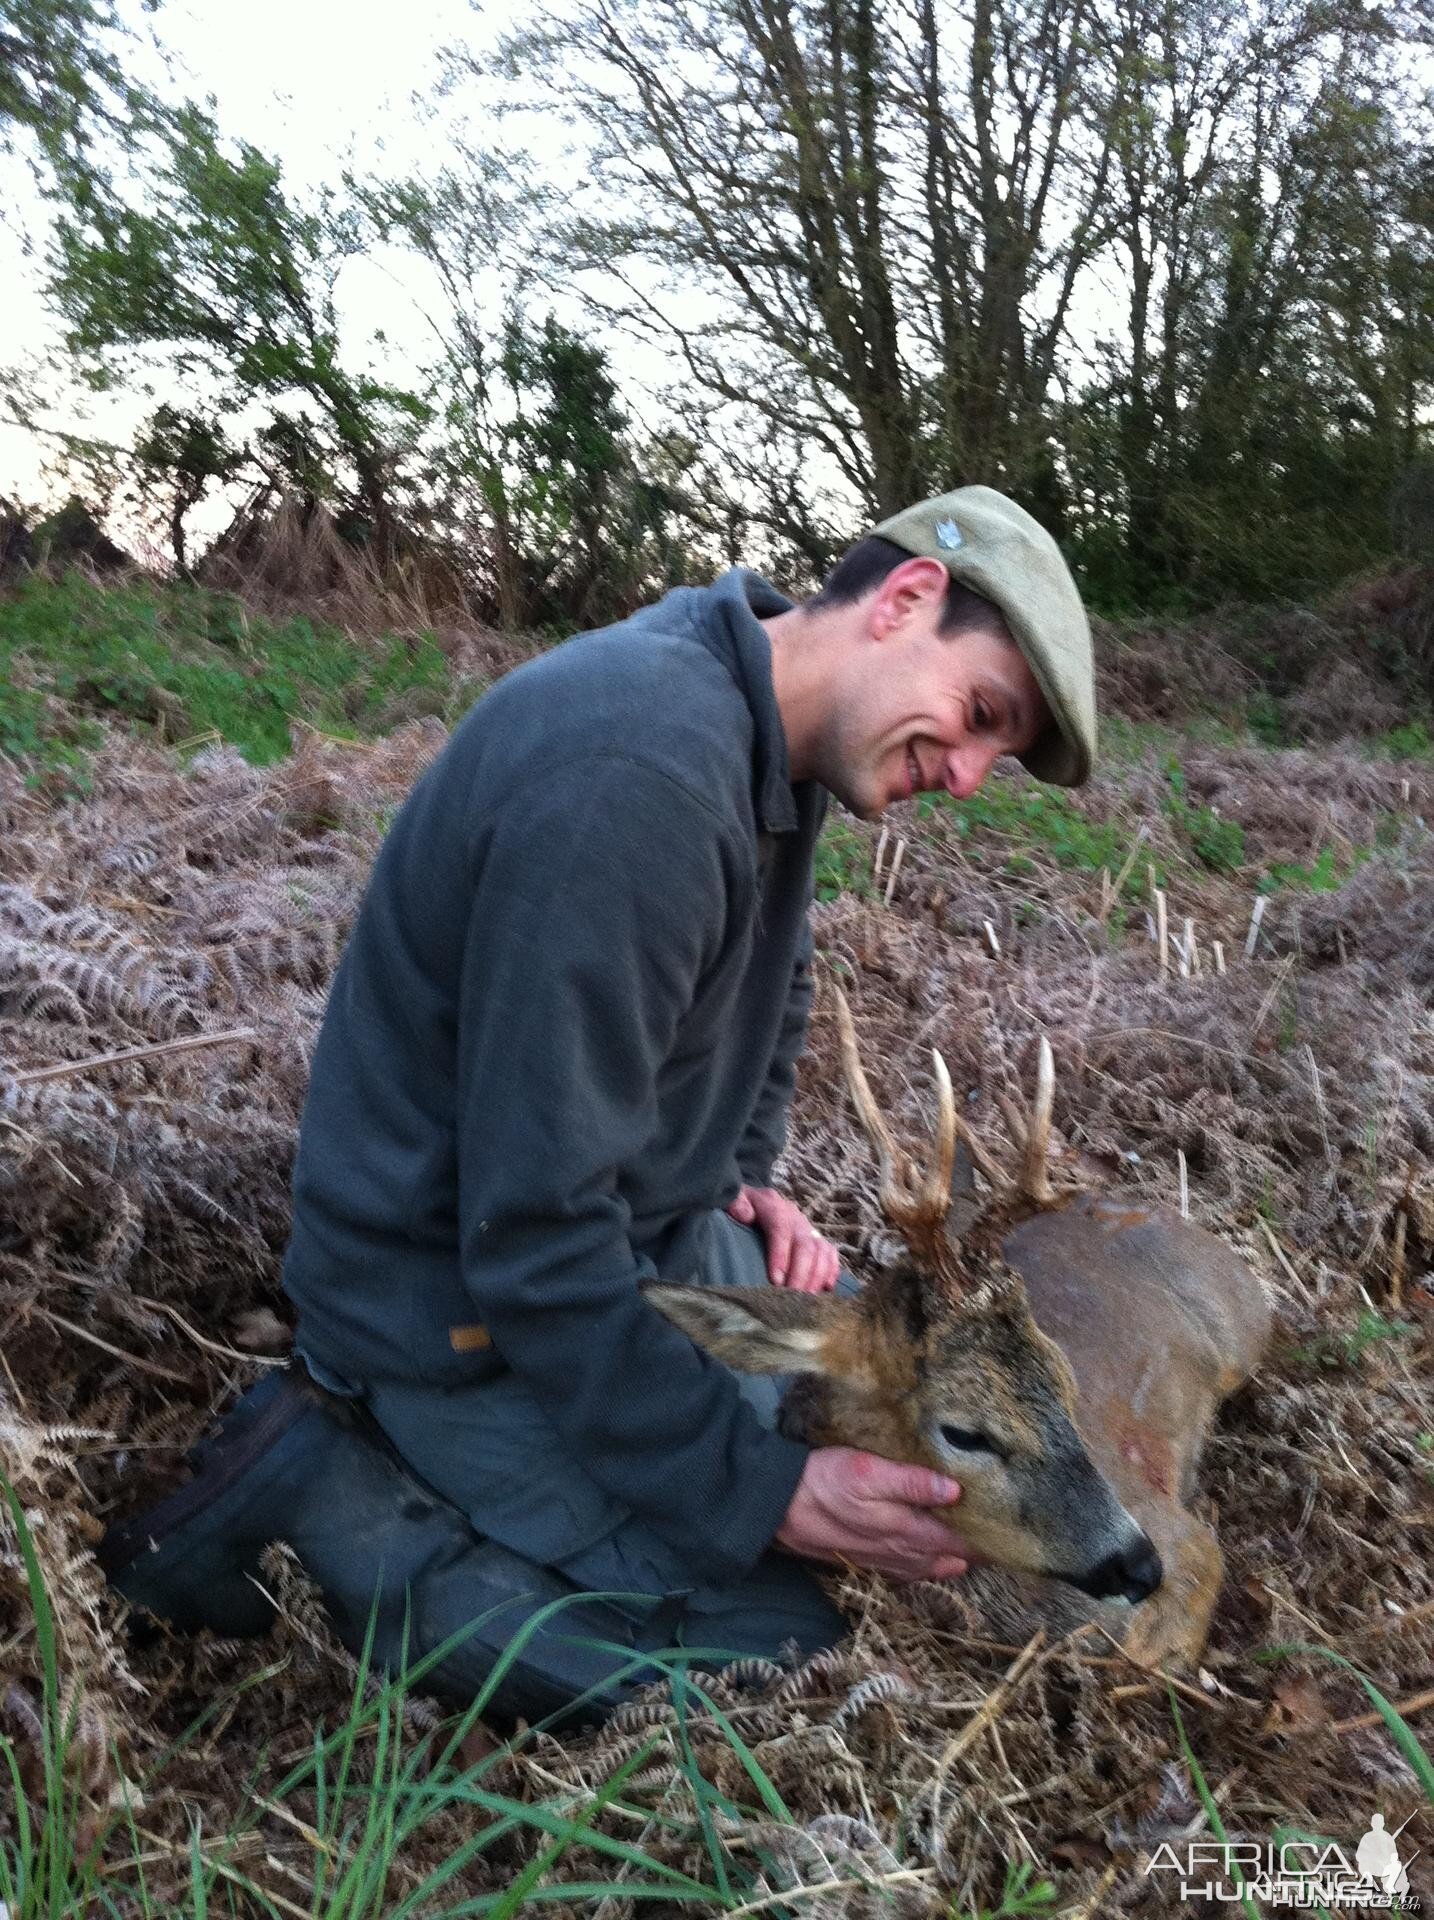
(857, 1507)
(797, 1255)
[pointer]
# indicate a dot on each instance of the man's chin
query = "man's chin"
(867, 802)
(867, 809)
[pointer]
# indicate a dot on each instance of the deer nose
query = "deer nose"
(1133, 1573)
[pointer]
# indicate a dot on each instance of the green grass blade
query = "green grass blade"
(676, 1661)
(768, 1794)
(570, 1890)
(1212, 1812)
(1420, 1765)
(23, 1873)
(422, 1900)
(51, 1875)
(402, 1683)
(509, 1903)
(703, 1794)
(198, 1877)
(341, 1900)
(513, 1813)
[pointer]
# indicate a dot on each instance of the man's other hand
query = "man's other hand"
(857, 1507)
(797, 1255)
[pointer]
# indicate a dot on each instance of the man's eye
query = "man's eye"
(982, 715)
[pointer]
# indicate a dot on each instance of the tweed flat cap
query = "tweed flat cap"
(991, 545)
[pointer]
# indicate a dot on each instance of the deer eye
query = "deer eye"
(968, 1440)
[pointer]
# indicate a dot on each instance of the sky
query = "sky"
(313, 82)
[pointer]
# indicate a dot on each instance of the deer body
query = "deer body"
(1160, 1321)
(1062, 1358)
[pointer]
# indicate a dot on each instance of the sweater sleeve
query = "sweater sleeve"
(767, 1129)
(600, 899)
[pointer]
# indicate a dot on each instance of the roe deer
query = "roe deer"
(1062, 1358)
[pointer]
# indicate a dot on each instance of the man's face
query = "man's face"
(920, 712)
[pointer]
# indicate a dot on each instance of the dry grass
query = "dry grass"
(143, 1209)
(286, 553)
(1353, 667)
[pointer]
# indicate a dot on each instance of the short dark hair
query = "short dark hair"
(867, 564)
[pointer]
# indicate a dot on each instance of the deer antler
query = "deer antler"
(938, 1179)
(1035, 1179)
(893, 1166)
(907, 1199)
(1031, 1130)
(895, 1171)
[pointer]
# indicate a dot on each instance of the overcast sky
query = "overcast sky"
(313, 82)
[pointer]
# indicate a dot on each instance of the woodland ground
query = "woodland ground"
(159, 888)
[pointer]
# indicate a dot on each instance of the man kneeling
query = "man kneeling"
(556, 1062)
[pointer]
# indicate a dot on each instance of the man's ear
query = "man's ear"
(756, 1329)
(905, 588)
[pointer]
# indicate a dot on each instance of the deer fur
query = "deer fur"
(1062, 1357)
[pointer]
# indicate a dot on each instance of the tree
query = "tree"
(61, 80)
(577, 534)
(184, 453)
(893, 207)
(1078, 249)
(1242, 436)
(528, 473)
(219, 276)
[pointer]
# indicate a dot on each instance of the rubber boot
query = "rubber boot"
(293, 1463)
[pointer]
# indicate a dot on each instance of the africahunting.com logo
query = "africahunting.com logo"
(1302, 1872)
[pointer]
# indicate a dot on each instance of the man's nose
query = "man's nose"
(966, 767)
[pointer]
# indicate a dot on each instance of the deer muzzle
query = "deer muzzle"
(1133, 1573)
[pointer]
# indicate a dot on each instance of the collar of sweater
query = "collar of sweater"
(738, 601)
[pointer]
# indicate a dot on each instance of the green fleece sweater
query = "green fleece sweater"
(563, 1032)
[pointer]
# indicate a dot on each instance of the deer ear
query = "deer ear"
(755, 1329)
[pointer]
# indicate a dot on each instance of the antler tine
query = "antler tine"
(877, 1130)
(943, 1156)
(1035, 1177)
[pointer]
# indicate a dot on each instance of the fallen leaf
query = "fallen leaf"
(1074, 1851)
(1297, 1703)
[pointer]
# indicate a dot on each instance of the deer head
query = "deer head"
(940, 1362)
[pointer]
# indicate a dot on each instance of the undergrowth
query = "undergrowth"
(1412, 741)
(843, 862)
(1042, 817)
(1217, 844)
(189, 665)
(373, 1810)
(371, 1798)
(1344, 1349)
(366, 1795)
